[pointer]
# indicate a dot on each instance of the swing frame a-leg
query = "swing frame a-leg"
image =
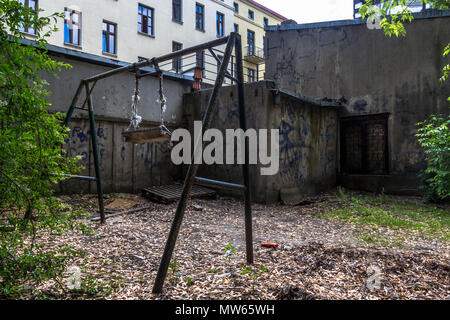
(233, 41)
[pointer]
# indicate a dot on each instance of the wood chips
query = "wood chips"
(316, 258)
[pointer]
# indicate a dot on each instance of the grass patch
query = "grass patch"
(373, 213)
(378, 239)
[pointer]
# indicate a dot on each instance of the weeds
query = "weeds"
(94, 286)
(175, 274)
(254, 272)
(228, 252)
(373, 213)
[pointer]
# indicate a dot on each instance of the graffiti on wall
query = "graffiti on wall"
(148, 156)
(307, 144)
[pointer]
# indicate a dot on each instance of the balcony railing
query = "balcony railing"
(253, 70)
(254, 54)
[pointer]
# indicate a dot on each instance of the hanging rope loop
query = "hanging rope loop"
(160, 133)
(162, 98)
(135, 119)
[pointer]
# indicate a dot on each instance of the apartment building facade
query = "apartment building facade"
(128, 30)
(250, 19)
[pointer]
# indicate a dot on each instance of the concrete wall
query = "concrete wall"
(308, 147)
(375, 73)
(125, 167)
(307, 139)
(226, 116)
(112, 96)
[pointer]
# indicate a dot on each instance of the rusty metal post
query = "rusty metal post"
(246, 169)
(189, 180)
(73, 104)
(257, 72)
(166, 57)
(95, 152)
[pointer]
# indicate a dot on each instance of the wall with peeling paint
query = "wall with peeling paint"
(376, 74)
(125, 167)
(308, 139)
(112, 96)
(308, 146)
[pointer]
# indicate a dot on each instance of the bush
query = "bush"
(434, 137)
(31, 156)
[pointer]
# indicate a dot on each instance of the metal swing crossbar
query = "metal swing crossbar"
(233, 41)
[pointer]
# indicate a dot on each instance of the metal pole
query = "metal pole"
(232, 69)
(246, 169)
(89, 94)
(160, 59)
(96, 158)
(257, 72)
(73, 176)
(227, 74)
(72, 106)
(189, 180)
(219, 184)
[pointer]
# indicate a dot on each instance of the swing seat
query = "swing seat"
(149, 135)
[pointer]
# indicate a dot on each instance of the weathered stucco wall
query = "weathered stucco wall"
(375, 73)
(112, 96)
(307, 139)
(226, 116)
(308, 147)
(125, 167)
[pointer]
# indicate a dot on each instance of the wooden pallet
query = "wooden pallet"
(172, 193)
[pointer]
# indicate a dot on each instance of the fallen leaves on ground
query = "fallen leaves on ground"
(317, 258)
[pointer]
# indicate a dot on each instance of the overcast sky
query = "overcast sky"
(305, 11)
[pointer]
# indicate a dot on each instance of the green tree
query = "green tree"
(394, 13)
(433, 133)
(31, 156)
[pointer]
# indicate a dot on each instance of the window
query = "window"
(251, 75)
(176, 63)
(109, 37)
(200, 59)
(364, 147)
(266, 22)
(236, 7)
(145, 20)
(220, 24)
(199, 17)
(250, 43)
(72, 27)
(33, 5)
(176, 10)
(251, 14)
(236, 28)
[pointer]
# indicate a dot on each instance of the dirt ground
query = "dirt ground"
(316, 259)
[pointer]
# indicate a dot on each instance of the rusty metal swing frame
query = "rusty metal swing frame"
(233, 41)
